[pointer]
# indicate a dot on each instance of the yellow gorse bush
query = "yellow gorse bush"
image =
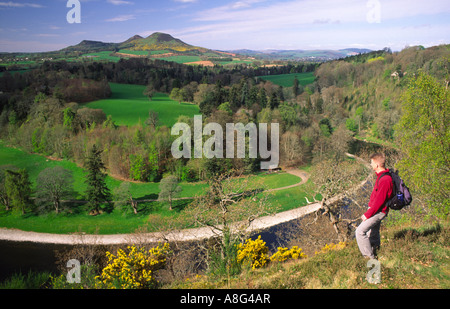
(255, 251)
(332, 246)
(134, 269)
(284, 254)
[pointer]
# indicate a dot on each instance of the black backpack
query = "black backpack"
(401, 196)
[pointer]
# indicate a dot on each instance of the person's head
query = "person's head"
(378, 162)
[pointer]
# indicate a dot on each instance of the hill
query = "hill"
(412, 256)
(155, 42)
(301, 55)
(160, 41)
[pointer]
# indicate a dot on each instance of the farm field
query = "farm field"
(287, 80)
(104, 55)
(127, 105)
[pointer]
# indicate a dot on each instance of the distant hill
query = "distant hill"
(161, 41)
(303, 55)
(156, 41)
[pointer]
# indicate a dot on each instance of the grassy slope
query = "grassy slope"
(412, 256)
(127, 105)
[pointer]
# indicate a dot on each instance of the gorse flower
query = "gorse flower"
(134, 269)
(284, 254)
(332, 246)
(255, 251)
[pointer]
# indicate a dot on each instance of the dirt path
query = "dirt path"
(181, 235)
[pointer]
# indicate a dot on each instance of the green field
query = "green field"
(287, 80)
(181, 59)
(127, 105)
(104, 55)
(116, 222)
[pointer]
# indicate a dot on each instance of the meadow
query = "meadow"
(150, 210)
(127, 106)
(287, 80)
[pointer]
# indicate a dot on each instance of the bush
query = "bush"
(284, 254)
(253, 252)
(135, 269)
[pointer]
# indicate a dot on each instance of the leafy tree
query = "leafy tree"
(138, 167)
(351, 125)
(54, 184)
(424, 139)
(123, 198)
(176, 95)
(169, 189)
(97, 191)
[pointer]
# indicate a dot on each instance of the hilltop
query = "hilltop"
(156, 41)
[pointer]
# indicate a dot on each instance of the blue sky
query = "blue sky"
(41, 25)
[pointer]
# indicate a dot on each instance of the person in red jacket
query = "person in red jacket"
(368, 232)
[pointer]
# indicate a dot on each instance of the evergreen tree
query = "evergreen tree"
(18, 190)
(97, 192)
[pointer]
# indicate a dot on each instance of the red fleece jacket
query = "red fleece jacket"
(382, 191)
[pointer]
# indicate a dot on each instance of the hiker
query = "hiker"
(368, 232)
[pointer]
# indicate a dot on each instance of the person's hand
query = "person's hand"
(363, 218)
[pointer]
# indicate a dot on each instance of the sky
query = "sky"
(42, 25)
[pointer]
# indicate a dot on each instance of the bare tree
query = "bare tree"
(337, 181)
(229, 207)
(53, 185)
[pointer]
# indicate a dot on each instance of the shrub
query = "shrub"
(134, 269)
(284, 254)
(253, 252)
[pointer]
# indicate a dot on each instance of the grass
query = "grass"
(287, 80)
(103, 55)
(181, 59)
(413, 256)
(127, 106)
(116, 222)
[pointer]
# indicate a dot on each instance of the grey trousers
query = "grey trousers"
(368, 235)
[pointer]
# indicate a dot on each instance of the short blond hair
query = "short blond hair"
(379, 158)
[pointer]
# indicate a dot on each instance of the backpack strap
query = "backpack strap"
(385, 173)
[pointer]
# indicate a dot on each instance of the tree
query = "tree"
(229, 208)
(169, 189)
(18, 190)
(153, 119)
(149, 91)
(176, 95)
(336, 179)
(123, 198)
(97, 191)
(54, 184)
(295, 87)
(424, 139)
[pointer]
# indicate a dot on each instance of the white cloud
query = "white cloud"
(19, 5)
(121, 18)
(119, 2)
(259, 21)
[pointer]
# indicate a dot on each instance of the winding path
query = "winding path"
(181, 235)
